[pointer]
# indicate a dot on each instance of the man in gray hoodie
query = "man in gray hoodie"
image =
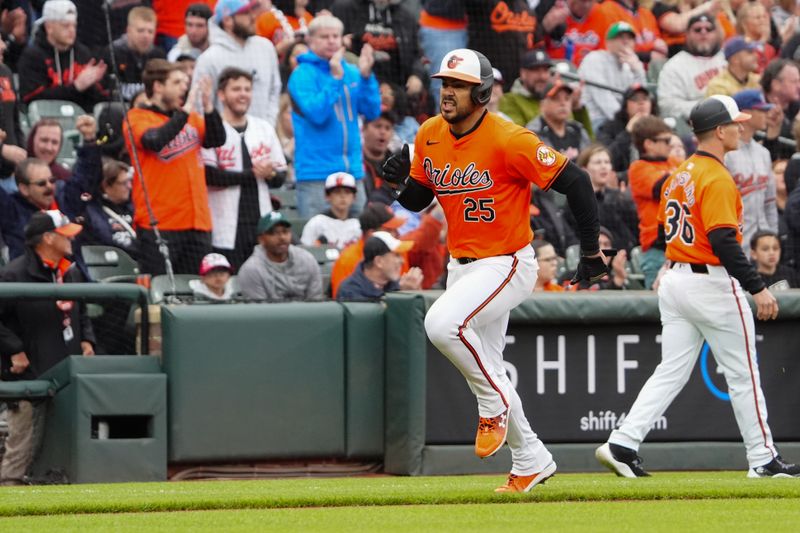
(233, 42)
(751, 168)
(279, 271)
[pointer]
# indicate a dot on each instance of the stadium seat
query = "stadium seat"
(65, 112)
(287, 198)
(108, 264)
(297, 222)
(635, 264)
(323, 254)
(161, 288)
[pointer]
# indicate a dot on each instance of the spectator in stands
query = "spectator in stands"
(740, 73)
(37, 334)
(328, 140)
(554, 126)
(376, 136)
(651, 136)
(44, 142)
(615, 134)
(171, 19)
(546, 278)
(55, 66)
(91, 31)
(570, 29)
(497, 94)
(233, 42)
(289, 60)
(108, 214)
(279, 271)
(168, 135)
(14, 29)
(618, 278)
(36, 192)
(391, 30)
(11, 136)
(380, 271)
(549, 221)
(751, 168)
(683, 80)
(195, 40)
(240, 172)
(780, 82)
(442, 28)
(285, 132)
(677, 148)
(133, 50)
(374, 217)
(617, 66)
(673, 18)
(335, 227)
(765, 254)
(215, 280)
(649, 44)
(522, 103)
(405, 127)
(616, 211)
(781, 197)
(752, 22)
(285, 23)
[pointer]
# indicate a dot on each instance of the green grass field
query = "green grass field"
(686, 501)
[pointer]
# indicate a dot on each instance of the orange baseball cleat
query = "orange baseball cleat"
(516, 483)
(491, 434)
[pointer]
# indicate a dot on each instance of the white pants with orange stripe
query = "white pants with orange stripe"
(468, 325)
(712, 307)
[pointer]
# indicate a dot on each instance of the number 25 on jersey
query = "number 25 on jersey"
(678, 222)
(478, 210)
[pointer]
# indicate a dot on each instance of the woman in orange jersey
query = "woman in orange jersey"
(480, 168)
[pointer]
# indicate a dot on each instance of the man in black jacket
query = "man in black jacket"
(55, 67)
(35, 335)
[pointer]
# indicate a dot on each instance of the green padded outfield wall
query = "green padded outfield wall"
(128, 394)
(255, 381)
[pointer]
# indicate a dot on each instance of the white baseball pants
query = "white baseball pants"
(468, 325)
(693, 307)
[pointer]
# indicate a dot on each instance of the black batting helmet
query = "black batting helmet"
(715, 111)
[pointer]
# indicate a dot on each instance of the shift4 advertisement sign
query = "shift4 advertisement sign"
(577, 382)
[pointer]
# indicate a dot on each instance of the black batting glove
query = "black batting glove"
(592, 269)
(397, 167)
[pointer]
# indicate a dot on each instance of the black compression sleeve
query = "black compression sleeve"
(415, 197)
(657, 187)
(215, 131)
(724, 244)
(155, 139)
(216, 177)
(575, 184)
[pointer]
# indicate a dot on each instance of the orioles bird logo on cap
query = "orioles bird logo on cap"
(454, 61)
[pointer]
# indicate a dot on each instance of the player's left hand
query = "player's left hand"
(592, 269)
(397, 167)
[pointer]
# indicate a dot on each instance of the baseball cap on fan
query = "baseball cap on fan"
(714, 111)
(381, 243)
(461, 64)
(54, 221)
(229, 8)
(340, 179)
(212, 262)
(59, 11)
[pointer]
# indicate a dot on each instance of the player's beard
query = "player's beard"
(458, 114)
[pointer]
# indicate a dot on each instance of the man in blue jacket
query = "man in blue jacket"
(328, 94)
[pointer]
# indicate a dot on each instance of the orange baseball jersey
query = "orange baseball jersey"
(483, 182)
(642, 20)
(698, 197)
(581, 37)
(175, 176)
(642, 176)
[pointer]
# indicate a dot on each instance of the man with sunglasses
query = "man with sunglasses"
(701, 216)
(683, 80)
(36, 191)
(36, 334)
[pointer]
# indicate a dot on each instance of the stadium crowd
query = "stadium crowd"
(256, 130)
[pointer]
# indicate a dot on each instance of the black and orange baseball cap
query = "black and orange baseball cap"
(54, 221)
(377, 216)
(552, 88)
(714, 111)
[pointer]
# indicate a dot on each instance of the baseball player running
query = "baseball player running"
(701, 215)
(480, 167)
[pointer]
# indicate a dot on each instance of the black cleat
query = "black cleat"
(775, 468)
(623, 461)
